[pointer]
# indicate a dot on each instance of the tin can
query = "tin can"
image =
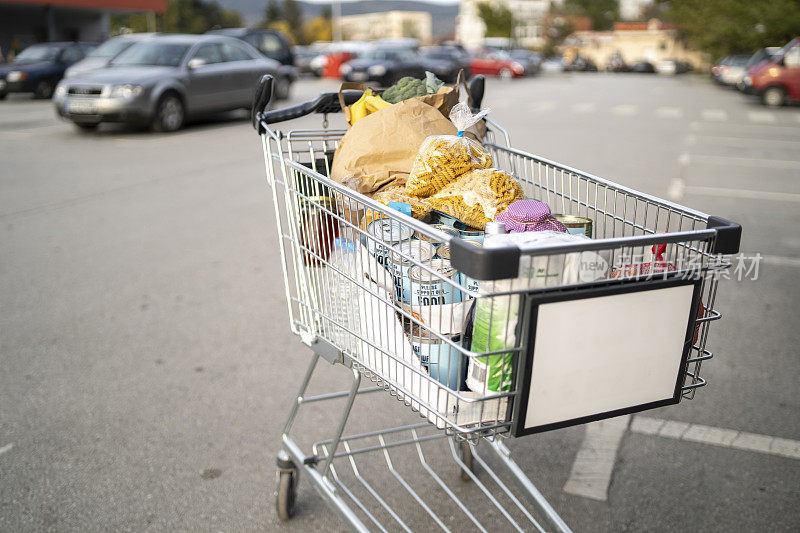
(437, 217)
(444, 362)
(470, 284)
(418, 252)
(449, 230)
(472, 234)
(443, 251)
(431, 289)
(576, 225)
(385, 233)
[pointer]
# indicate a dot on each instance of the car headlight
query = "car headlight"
(345, 69)
(377, 70)
(61, 90)
(748, 80)
(519, 69)
(16, 75)
(125, 91)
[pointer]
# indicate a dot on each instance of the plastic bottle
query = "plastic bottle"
(343, 295)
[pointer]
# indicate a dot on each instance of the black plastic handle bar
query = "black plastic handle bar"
(324, 103)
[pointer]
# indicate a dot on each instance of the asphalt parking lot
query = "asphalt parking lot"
(147, 363)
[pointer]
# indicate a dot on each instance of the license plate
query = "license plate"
(81, 107)
(359, 76)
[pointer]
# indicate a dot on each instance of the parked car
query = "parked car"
(165, 80)
(303, 56)
(496, 63)
(100, 56)
(445, 62)
(274, 45)
(643, 67)
(581, 64)
(530, 61)
(733, 70)
(765, 54)
(671, 67)
(384, 66)
(271, 43)
(553, 64)
(38, 68)
(777, 81)
(616, 63)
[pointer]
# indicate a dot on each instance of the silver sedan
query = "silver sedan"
(165, 80)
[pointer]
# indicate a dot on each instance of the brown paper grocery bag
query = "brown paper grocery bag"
(380, 149)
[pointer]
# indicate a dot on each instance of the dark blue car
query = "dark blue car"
(40, 67)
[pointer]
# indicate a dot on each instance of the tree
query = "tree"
(602, 12)
(318, 29)
(272, 13)
(183, 16)
(724, 27)
(293, 15)
(498, 19)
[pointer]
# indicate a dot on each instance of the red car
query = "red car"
(495, 63)
(777, 81)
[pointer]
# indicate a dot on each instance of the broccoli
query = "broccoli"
(404, 89)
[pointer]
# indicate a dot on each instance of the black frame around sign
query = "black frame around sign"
(533, 301)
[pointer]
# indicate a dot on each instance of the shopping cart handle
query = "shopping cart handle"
(484, 263)
(729, 235)
(324, 103)
(476, 90)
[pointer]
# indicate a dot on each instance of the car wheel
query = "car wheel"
(86, 126)
(43, 90)
(505, 74)
(170, 114)
(773, 97)
(282, 88)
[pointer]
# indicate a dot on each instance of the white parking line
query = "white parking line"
(743, 142)
(761, 116)
(543, 106)
(669, 112)
(594, 462)
(583, 108)
(714, 114)
(727, 438)
(6, 448)
(625, 110)
(781, 261)
(676, 189)
(748, 194)
(788, 164)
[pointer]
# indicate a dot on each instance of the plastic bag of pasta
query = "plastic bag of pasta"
(477, 196)
(442, 159)
(419, 208)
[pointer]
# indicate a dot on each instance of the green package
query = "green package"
(494, 329)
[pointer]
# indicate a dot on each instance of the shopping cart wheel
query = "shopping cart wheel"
(286, 494)
(465, 455)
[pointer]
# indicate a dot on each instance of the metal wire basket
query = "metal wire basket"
(412, 326)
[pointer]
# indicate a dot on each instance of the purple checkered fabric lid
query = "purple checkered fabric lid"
(529, 215)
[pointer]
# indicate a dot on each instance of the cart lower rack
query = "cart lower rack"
(514, 338)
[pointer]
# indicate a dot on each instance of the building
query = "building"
(387, 25)
(528, 30)
(632, 9)
(651, 41)
(25, 22)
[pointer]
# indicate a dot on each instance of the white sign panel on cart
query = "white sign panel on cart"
(604, 352)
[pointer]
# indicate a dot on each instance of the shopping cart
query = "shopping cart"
(522, 321)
